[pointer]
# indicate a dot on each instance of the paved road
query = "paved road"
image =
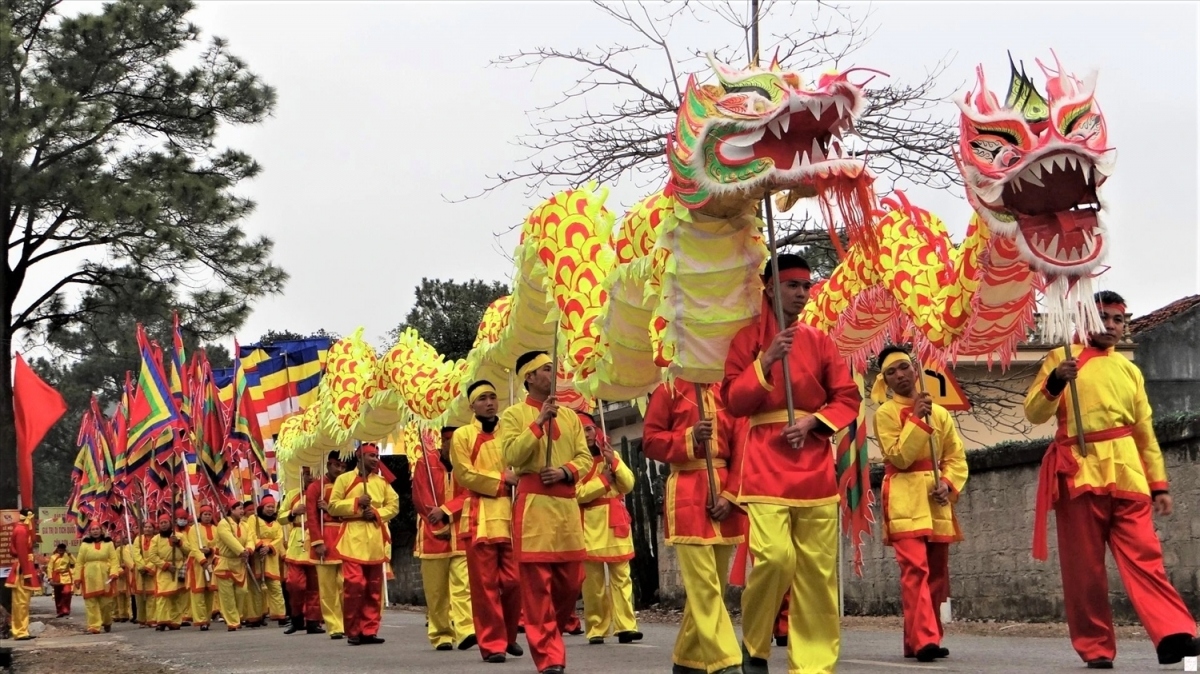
(267, 650)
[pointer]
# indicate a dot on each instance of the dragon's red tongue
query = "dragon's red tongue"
(1062, 221)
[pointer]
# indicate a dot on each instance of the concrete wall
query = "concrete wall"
(1169, 356)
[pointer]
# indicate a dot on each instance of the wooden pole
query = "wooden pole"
(708, 462)
(1075, 407)
(937, 474)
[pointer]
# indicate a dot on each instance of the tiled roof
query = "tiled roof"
(1163, 315)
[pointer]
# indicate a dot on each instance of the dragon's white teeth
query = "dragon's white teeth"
(1073, 256)
(1072, 161)
(1060, 162)
(1017, 185)
(1034, 172)
(797, 162)
(1087, 176)
(817, 154)
(805, 162)
(816, 108)
(1053, 247)
(773, 125)
(784, 122)
(746, 139)
(795, 104)
(991, 193)
(841, 106)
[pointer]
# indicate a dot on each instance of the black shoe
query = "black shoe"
(575, 632)
(108, 628)
(468, 643)
(554, 669)
(367, 639)
(751, 665)
(283, 623)
(444, 647)
(352, 641)
(943, 652)
(337, 635)
(781, 641)
(595, 641)
(294, 627)
(495, 658)
(514, 649)
(313, 628)
(186, 623)
(928, 653)
(1100, 663)
(680, 669)
(520, 629)
(629, 637)
(204, 628)
(1176, 647)
(160, 628)
(732, 669)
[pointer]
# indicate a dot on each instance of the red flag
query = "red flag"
(37, 407)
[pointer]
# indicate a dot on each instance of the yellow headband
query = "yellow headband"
(538, 361)
(880, 388)
(478, 392)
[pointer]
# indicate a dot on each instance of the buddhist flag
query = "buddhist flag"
(151, 410)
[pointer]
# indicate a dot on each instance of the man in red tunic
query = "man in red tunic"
(786, 475)
(24, 578)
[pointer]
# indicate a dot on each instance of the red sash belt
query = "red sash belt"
(914, 467)
(531, 483)
(1057, 461)
(618, 516)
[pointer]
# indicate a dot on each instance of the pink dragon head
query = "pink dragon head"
(1034, 166)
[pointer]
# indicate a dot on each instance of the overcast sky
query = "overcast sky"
(385, 107)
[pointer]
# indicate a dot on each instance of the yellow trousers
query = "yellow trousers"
(99, 612)
(122, 606)
(202, 606)
(796, 548)
(330, 587)
(706, 639)
(271, 600)
(447, 600)
(607, 607)
(233, 598)
(255, 607)
(21, 596)
(143, 613)
(171, 608)
(151, 617)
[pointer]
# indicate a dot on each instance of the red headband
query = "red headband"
(794, 274)
(369, 448)
(586, 420)
(1115, 305)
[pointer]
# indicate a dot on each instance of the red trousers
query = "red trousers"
(362, 599)
(304, 599)
(548, 590)
(1084, 525)
(62, 600)
(781, 618)
(495, 595)
(924, 585)
(568, 614)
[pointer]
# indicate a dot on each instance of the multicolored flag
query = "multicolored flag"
(151, 411)
(179, 388)
(854, 481)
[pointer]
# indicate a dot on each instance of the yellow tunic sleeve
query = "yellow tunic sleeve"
(1040, 404)
(901, 444)
(522, 445)
(114, 562)
(391, 503)
(1143, 435)
(339, 504)
(592, 488)
(951, 454)
(469, 475)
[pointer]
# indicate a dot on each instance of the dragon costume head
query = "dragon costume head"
(766, 130)
(1034, 166)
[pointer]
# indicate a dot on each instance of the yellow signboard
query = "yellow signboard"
(945, 389)
(53, 528)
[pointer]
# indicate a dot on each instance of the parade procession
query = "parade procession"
(279, 496)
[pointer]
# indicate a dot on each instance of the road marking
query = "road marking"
(891, 664)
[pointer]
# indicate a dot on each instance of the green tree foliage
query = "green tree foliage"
(110, 173)
(447, 313)
(274, 336)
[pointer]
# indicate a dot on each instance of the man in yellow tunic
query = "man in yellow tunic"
(23, 577)
(60, 566)
(301, 580)
(918, 511)
(123, 601)
(549, 453)
(145, 568)
(1106, 496)
(269, 550)
(234, 543)
(254, 613)
(324, 531)
(169, 591)
(366, 501)
(98, 567)
(486, 527)
(201, 583)
(606, 530)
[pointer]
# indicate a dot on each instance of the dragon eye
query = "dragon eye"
(748, 88)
